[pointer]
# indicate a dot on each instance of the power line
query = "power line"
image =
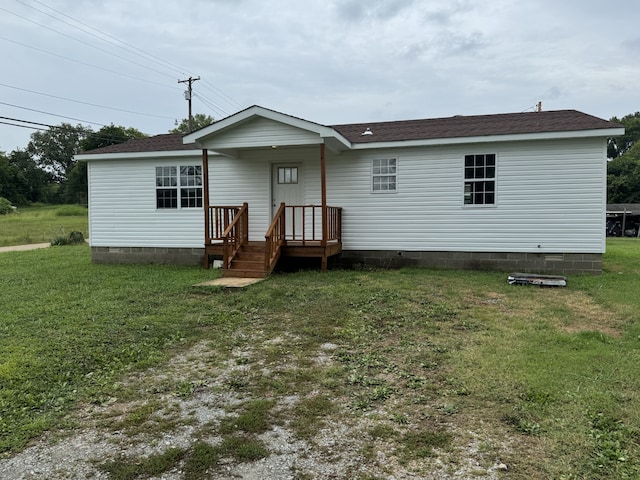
(22, 126)
(87, 43)
(27, 121)
(87, 64)
(210, 105)
(235, 105)
(55, 127)
(215, 106)
(158, 60)
(52, 114)
(144, 54)
(86, 103)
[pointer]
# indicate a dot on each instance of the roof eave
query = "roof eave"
(138, 155)
(326, 134)
(602, 133)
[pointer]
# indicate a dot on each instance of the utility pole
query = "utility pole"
(187, 96)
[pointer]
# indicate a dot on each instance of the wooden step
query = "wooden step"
(243, 273)
(252, 249)
(248, 262)
(249, 256)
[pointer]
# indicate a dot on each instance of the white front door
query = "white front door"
(288, 187)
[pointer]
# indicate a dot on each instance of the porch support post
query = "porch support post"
(323, 188)
(205, 201)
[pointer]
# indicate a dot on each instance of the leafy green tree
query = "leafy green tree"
(76, 187)
(35, 184)
(198, 121)
(54, 149)
(21, 181)
(623, 177)
(619, 145)
(9, 182)
(109, 135)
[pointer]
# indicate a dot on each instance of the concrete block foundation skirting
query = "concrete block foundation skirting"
(547, 263)
(141, 255)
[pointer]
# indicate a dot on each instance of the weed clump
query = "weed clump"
(74, 238)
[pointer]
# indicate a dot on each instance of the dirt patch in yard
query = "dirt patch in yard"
(226, 418)
(590, 316)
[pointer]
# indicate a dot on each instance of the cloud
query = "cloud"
(445, 44)
(359, 10)
(633, 45)
(445, 15)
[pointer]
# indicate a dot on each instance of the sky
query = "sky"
(98, 62)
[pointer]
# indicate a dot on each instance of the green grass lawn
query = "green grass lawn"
(553, 372)
(42, 224)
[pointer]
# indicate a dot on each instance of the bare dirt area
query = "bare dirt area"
(197, 418)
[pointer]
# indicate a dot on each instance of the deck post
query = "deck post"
(323, 187)
(205, 201)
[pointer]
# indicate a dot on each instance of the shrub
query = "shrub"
(5, 206)
(74, 238)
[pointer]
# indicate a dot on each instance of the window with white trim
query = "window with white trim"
(480, 179)
(179, 187)
(384, 174)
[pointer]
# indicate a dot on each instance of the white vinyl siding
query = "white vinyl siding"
(122, 207)
(248, 178)
(261, 132)
(551, 198)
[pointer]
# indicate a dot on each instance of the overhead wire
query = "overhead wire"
(27, 121)
(157, 59)
(210, 104)
(54, 127)
(85, 103)
(52, 114)
(22, 126)
(235, 105)
(132, 49)
(207, 102)
(86, 43)
(89, 64)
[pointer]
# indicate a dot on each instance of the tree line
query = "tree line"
(45, 171)
(623, 171)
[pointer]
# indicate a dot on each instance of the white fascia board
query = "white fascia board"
(139, 155)
(611, 132)
(254, 112)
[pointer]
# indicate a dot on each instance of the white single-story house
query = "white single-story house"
(514, 192)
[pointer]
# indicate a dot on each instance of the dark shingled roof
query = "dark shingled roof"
(404, 130)
(159, 143)
(473, 126)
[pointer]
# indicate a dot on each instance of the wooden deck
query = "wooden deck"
(296, 231)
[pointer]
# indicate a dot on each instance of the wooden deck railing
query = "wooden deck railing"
(304, 223)
(292, 225)
(236, 231)
(274, 239)
(217, 220)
